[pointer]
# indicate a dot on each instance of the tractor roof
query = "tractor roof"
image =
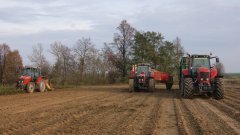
(144, 64)
(199, 56)
(29, 67)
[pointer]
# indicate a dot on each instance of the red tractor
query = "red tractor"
(197, 76)
(31, 79)
(144, 76)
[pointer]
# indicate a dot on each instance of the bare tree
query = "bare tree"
(38, 59)
(63, 57)
(83, 50)
(4, 50)
(123, 41)
(179, 47)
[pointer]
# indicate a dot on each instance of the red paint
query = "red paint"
(26, 79)
(185, 72)
(161, 76)
(214, 73)
(205, 70)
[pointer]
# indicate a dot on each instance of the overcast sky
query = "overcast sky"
(204, 26)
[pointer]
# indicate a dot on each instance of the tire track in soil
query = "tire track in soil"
(167, 121)
(131, 113)
(37, 99)
(229, 125)
(51, 116)
(92, 109)
(150, 123)
(232, 99)
(233, 95)
(187, 123)
(36, 105)
(206, 118)
(98, 122)
(228, 109)
(231, 103)
(135, 124)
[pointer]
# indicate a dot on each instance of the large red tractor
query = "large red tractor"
(31, 79)
(144, 76)
(198, 76)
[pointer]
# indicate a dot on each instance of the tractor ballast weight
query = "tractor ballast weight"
(31, 79)
(196, 76)
(144, 76)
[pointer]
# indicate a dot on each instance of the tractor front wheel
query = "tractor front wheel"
(219, 89)
(188, 87)
(30, 87)
(151, 85)
(41, 87)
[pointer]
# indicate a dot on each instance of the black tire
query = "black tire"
(219, 89)
(169, 86)
(169, 83)
(131, 85)
(151, 87)
(188, 88)
(41, 86)
(181, 87)
(30, 87)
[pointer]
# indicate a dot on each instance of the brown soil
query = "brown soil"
(113, 110)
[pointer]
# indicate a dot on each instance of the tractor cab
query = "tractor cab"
(34, 73)
(143, 69)
(200, 64)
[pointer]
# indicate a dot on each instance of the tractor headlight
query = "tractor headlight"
(207, 79)
(201, 79)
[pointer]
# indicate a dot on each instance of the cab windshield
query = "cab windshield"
(144, 69)
(26, 72)
(200, 62)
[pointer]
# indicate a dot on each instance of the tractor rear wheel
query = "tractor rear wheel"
(151, 85)
(41, 87)
(219, 89)
(131, 85)
(30, 87)
(188, 87)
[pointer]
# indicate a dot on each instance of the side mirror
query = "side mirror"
(217, 60)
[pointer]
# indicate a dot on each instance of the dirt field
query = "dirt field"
(113, 110)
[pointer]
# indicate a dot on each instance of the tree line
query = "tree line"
(83, 63)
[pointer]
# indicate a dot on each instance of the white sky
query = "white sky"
(204, 26)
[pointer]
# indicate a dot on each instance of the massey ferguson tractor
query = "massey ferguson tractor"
(143, 76)
(197, 76)
(31, 79)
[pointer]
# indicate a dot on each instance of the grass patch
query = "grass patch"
(7, 90)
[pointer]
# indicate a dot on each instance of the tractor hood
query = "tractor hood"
(203, 74)
(203, 69)
(25, 79)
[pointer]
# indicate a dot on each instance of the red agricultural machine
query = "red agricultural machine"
(197, 76)
(144, 76)
(31, 79)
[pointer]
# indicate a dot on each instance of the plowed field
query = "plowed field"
(113, 110)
